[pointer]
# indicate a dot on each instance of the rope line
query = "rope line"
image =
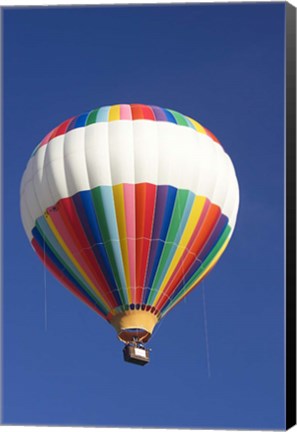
(45, 287)
(206, 330)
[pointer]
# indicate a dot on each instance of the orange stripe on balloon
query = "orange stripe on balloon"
(212, 136)
(137, 112)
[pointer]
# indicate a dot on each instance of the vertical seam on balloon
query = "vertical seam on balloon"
(228, 192)
(183, 273)
(89, 189)
(45, 173)
(68, 194)
(29, 208)
(119, 200)
(215, 158)
(145, 295)
(155, 292)
(120, 270)
(26, 218)
(133, 278)
(24, 200)
(36, 195)
(98, 228)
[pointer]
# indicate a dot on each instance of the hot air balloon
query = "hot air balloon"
(130, 207)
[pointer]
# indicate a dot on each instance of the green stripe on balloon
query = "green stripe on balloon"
(180, 119)
(105, 233)
(92, 117)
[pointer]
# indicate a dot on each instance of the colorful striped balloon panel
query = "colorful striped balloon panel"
(131, 246)
(125, 112)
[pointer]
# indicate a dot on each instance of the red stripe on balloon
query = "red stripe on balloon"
(142, 112)
(147, 112)
(145, 207)
(59, 130)
(62, 278)
(99, 280)
(62, 128)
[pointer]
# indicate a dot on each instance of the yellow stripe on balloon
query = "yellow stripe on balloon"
(194, 216)
(198, 126)
(118, 194)
(74, 261)
(114, 113)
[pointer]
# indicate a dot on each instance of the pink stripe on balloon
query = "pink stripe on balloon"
(125, 112)
(129, 200)
(47, 137)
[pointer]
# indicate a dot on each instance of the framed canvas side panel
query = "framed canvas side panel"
(290, 215)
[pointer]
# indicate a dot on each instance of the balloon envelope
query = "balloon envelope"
(130, 206)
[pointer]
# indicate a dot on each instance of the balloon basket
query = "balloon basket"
(136, 354)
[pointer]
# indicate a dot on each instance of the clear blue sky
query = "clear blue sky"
(224, 66)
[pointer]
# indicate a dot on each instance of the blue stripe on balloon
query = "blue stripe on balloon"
(103, 114)
(79, 121)
(170, 117)
(164, 206)
(114, 238)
